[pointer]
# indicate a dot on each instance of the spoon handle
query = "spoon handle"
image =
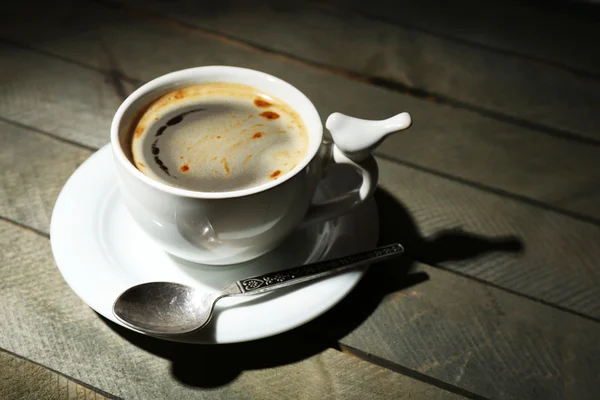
(308, 272)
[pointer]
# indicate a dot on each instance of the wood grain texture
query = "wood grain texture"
(33, 170)
(479, 338)
(562, 34)
(44, 320)
(23, 379)
(558, 264)
(552, 170)
(555, 101)
(560, 251)
(449, 328)
(511, 347)
(455, 305)
(53, 97)
(521, 89)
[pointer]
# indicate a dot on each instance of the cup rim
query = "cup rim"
(172, 78)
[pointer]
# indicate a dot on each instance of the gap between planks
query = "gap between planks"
(337, 346)
(409, 372)
(389, 365)
(475, 185)
(58, 373)
(385, 83)
(347, 350)
(493, 190)
(438, 266)
(472, 184)
(24, 227)
(48, 134)
(468, 43)
(109, 74)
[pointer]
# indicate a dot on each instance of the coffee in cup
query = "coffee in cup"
(218, 137)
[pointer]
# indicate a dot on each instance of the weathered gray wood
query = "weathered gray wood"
(561, 33)
(561, 101)
(557, 266)
(44, 321)
(489, 342)
(23, 379)
(482, 339)
(457, 142)
(561, 174)
(550, 242)
(33, 169)
(56, 97)
(519, 88)
(559, 263)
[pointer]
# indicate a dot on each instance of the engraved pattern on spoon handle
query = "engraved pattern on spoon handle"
(288, 277)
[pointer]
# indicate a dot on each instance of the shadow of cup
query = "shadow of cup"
(210, 366)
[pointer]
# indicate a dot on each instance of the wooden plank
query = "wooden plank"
(564, 174)
(479, 338)
(33, 169)
(435, 215)
(558, 264)
(516, 89)
(44, 321)
(552, 170)
(563, 34)
(477, 233)
(58, 98)
(457, 315)
(23, 379)
(450, 328)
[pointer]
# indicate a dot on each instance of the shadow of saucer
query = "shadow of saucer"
(210, 366)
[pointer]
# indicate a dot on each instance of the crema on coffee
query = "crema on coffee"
(218, 137)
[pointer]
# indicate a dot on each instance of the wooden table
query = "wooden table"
(495, 193)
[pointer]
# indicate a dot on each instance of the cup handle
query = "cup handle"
(354, 140)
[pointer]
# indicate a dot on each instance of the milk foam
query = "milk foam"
(218, 137)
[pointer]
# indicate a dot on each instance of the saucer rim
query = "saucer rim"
(75, 283)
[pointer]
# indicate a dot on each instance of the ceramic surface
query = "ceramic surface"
(222, 228)
(101, 252)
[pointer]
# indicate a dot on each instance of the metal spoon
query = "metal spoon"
(166, 308)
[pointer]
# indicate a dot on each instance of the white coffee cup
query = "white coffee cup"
(230, 227)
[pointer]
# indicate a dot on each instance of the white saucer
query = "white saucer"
(100, 252)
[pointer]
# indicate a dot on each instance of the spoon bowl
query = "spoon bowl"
(168, 308)
(160, 308)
